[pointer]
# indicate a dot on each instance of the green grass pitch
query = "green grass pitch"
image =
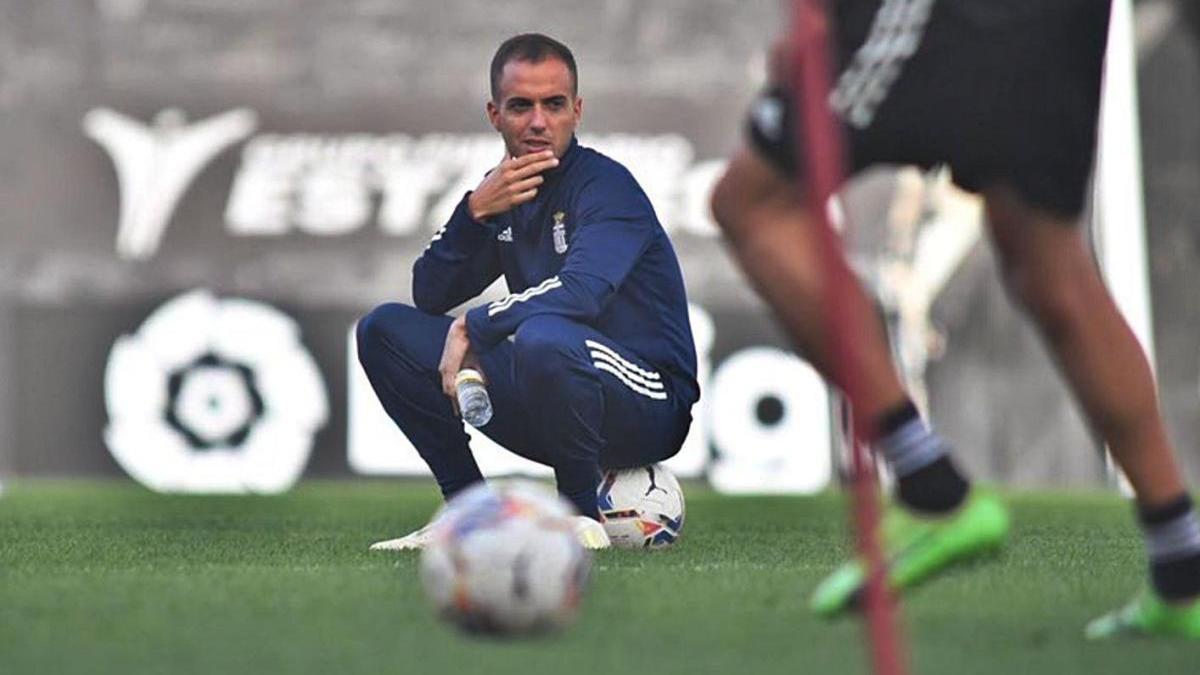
(108, 578)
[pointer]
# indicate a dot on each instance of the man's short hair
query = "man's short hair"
(534, 48)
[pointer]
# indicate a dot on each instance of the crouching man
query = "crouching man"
(590, 361)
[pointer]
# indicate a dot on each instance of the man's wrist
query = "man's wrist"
(475, 325)
(477, 214)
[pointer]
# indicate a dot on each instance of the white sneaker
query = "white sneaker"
(410, 542)
(591, 533)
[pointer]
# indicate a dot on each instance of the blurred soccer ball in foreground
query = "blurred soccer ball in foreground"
(504, 560)
(642, 507)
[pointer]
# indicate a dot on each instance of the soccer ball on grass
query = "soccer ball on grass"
(504, 560)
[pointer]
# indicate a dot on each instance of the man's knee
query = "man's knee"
(383, 329)
(748, 186)
(728, 203)
(543, 349)
(724, 202)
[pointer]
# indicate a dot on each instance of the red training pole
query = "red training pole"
(820, 156)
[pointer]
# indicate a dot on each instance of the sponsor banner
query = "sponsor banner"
(334, 185)
(207, 393)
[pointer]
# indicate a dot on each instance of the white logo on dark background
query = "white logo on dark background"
(213, 395)
(156, 164)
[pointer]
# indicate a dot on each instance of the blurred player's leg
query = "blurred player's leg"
(771, 234)
(1049, 269)
(821, 153)
(1007, 96)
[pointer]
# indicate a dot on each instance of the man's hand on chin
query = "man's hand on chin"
(512, 183)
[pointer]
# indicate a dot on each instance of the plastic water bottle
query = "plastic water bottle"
(473, 401)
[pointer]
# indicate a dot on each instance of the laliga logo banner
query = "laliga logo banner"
(213, 396)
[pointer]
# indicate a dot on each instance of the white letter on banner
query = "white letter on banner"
(334, 198)
(260, 202)
(406, 186)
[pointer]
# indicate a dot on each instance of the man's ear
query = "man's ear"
(493, 113)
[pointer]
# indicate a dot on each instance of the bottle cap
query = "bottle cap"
(468, 375)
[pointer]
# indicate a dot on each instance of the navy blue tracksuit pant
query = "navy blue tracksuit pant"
(564, 395)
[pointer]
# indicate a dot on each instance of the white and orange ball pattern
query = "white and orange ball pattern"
(504, 560)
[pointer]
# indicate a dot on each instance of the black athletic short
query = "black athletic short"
(1002, 91)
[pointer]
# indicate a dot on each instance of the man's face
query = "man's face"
(536, 110)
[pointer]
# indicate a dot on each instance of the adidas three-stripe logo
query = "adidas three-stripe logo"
(896, 33)
(510, 300)
(436, 236)
(645, 382)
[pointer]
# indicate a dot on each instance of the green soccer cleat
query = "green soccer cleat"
(1148, 616)
(916, 547)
